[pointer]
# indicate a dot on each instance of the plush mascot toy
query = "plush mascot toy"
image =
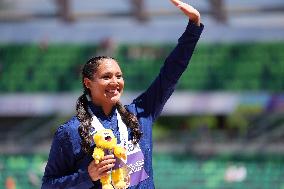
(106, 143)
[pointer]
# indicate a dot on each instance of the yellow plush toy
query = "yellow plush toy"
(107, 143)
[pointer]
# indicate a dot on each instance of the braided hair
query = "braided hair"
(84, 116)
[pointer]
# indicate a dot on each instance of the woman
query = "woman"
(70, 164)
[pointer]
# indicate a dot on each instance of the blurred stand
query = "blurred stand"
(218, 11)
(106, 47)
(64, 10)
(138, 10)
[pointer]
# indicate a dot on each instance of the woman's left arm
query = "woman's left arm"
(152, 101)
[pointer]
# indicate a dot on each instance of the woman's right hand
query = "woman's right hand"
(96, 171)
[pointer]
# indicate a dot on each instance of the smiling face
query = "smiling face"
(106, 85)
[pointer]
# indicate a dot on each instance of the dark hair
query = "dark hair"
(85, 118)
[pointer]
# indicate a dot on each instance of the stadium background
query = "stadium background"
(222, 129)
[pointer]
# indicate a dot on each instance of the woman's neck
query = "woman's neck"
(107, 109)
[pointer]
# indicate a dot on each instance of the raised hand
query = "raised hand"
(188, 10)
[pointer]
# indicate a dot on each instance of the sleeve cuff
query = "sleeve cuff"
(86, 177)
(194, 29)
(191, 30)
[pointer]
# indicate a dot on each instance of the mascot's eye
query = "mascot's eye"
(108, 138)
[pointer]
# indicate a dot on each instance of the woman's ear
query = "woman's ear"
(87, 83)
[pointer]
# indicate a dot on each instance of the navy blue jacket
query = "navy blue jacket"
(67, 164)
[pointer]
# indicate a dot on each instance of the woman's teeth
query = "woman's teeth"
(113, 91)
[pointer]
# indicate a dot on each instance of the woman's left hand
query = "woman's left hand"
(188, 10)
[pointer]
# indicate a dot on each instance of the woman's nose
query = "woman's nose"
(114, 80)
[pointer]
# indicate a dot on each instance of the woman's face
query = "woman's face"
(107, 84)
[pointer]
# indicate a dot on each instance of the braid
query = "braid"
(85, 123)
(130, 121)
(83, 115)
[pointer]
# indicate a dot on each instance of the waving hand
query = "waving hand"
(188, 10)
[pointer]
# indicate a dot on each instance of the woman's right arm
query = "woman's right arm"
(60, 171)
